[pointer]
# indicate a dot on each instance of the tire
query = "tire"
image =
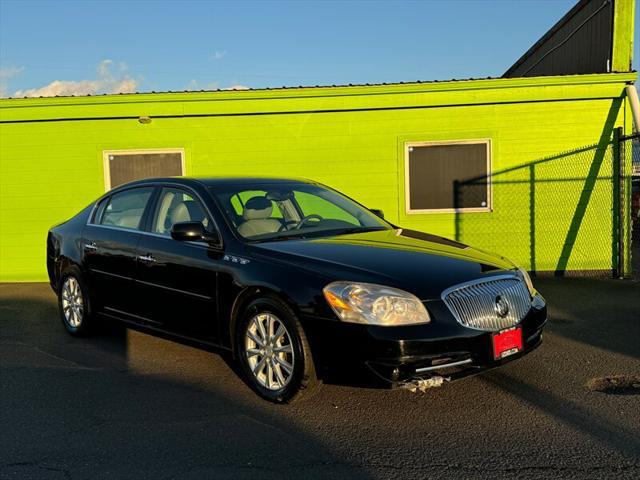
(74, 304)
(273, 380)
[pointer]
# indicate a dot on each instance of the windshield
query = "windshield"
(292, 210)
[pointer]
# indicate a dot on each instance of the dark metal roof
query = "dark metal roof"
(284, 87)
(581, 42)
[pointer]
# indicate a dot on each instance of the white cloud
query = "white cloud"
(237, 87)
(219, 54)
(7, 73)
(195, 85)
(106, 82)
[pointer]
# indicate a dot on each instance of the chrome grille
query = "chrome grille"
(476, 304)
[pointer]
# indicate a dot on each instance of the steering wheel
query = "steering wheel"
(285, 225)
(300, 224)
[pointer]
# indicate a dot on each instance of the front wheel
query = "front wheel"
(73, 303)
(273, 351)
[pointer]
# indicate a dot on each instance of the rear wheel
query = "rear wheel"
(73, 304)
(273, 351)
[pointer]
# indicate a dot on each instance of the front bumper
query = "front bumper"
(402, 356)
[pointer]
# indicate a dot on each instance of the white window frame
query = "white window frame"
(107, 153)
(407, 173)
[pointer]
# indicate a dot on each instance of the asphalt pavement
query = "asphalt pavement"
(124, 404)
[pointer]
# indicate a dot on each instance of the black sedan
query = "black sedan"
(293, 279)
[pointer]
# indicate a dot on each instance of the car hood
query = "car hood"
(417, 262)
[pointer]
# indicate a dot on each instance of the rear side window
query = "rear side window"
(97, 215)
(125, 209)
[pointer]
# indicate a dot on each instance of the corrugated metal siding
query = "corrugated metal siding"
(581, 42)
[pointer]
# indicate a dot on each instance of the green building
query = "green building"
(526, 165)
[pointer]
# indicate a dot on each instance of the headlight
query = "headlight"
(524, 276)
(375, 304)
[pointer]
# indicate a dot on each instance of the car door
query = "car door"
(109, 243)
(177, 280)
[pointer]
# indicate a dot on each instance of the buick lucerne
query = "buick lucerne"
(292, 279)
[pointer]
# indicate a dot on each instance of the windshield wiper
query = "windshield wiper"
(319, 233)
(281, 237)
(344, 231)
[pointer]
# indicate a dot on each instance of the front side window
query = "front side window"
(290, 210)
(176, 206)
(125, 209)
(447, 176)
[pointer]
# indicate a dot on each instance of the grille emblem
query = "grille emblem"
(502, 306)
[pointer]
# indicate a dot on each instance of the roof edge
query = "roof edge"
(326, 91)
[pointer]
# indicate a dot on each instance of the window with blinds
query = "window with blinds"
(127, 166)
(448, 176)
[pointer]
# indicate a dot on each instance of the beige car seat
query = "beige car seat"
(257, 218)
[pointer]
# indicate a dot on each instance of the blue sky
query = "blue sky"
(175, 45)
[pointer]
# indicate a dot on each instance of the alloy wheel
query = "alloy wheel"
(72, 302)
(269, 351)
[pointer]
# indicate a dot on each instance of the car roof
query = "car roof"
(220, 181)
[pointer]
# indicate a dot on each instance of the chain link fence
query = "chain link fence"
(568, 214)
(630, 152)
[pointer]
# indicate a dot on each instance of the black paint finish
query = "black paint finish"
(196, 289)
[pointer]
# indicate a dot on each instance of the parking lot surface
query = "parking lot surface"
(129, 405)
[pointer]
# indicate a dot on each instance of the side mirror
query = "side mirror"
(377, 212)
(193, 231)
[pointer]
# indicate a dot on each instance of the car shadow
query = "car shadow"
(133, 405)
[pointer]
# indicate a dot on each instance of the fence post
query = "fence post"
(619, 160)
(626, 174)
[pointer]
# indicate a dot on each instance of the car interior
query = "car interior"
(126, 209)
(260, 214)
(257, 218)
(176, 207)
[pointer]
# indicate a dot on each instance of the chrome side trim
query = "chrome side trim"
(176, 290)
(444, 365)
(200, 244)
(109, 274)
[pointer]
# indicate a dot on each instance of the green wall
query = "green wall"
(350, 138)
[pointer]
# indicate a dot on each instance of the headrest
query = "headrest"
(180, 214)
(257, 208)
(195, 212)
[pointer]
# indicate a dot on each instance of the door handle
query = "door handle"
(146, 258)
(90, 246)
